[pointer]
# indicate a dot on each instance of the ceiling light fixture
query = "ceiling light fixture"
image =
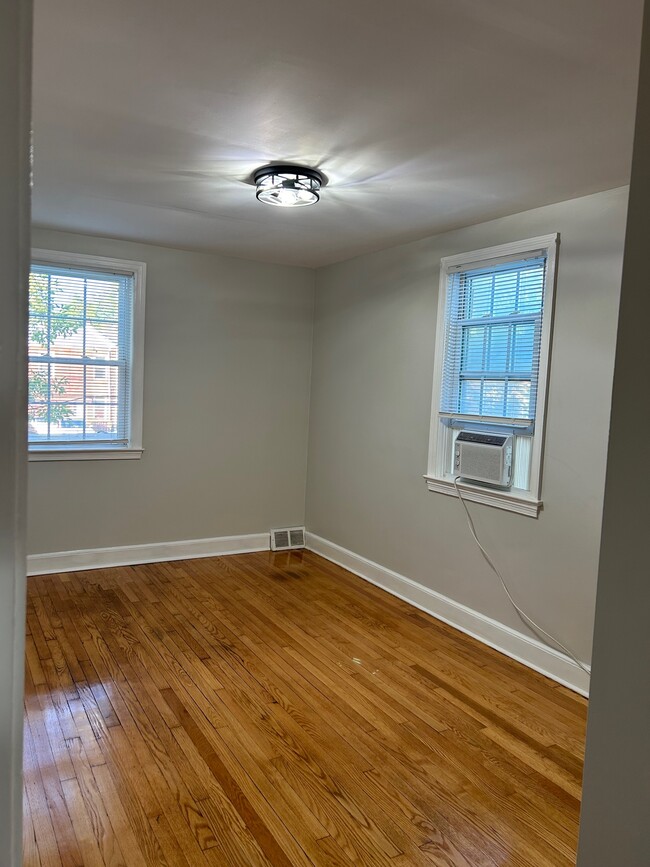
(288, 186)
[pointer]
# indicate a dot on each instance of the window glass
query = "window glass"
(80, 357)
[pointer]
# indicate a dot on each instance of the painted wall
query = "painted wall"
(614, 827)
(374, 332)
(227, 368)
(15, 70)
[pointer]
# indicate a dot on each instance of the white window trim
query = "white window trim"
(92, 452)
(524, 502)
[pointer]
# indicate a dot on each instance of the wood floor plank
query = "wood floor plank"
(39, 812)
(274, 710)
(31, 858)
(96, 819)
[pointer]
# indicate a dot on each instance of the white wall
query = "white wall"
(227, 367)
(15, 41)
(614, 826)
(374, 332)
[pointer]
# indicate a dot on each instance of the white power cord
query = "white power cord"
(548, 639)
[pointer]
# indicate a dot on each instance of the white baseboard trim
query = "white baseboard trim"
(157, 552)
(516, 645)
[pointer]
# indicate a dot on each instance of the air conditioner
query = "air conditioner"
(484, 457)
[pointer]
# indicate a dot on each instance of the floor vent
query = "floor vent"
(293, 537)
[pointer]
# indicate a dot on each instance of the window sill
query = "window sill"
(84, 454)
(511, 501)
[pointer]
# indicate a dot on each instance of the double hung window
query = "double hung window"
(492, 353)
(85, 356)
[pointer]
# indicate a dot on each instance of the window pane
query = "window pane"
(38, 294)
(505, 293)
(470, 397)
(38, 390)
(479, 291)
(531, 290)
(49, 402)
(523, 343)
(101, 384)
(66, 383)
(518, 400)
(101, 422)
(493, 397)
(67, 295)
(497, 360)
(102, 340)
(473, 348)
(66, 337)
(102, 299)
(67, 421)
(37, 334)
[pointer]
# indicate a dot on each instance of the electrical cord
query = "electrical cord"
(546, 637)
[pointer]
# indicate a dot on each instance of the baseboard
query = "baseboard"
(157, 552)
(503, 638)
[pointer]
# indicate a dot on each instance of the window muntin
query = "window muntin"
(84, 359)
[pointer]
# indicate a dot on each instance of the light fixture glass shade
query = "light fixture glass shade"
(288, 186)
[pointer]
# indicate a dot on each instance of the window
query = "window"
(492, 350)
(86, 332)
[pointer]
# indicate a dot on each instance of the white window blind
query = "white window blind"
(493, 337)
(80, 357)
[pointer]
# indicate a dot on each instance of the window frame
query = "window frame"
(526, 501)
(101, 451)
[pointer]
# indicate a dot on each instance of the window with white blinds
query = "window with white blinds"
(85, 355)
(493, 330)
(492, 360)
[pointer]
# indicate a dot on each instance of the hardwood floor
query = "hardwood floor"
(273, 709)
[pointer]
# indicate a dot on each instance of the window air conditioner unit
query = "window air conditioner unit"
(484, 457)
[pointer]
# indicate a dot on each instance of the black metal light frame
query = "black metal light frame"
(287, 176)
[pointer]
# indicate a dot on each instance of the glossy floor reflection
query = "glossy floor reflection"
(274, 709)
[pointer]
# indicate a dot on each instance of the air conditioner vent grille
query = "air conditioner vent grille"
(484, 457)
(292, 537)
(297, 538)
(280, 539)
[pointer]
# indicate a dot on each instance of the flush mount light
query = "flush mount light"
(288, 186)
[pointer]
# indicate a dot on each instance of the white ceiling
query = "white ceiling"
(149, 116)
